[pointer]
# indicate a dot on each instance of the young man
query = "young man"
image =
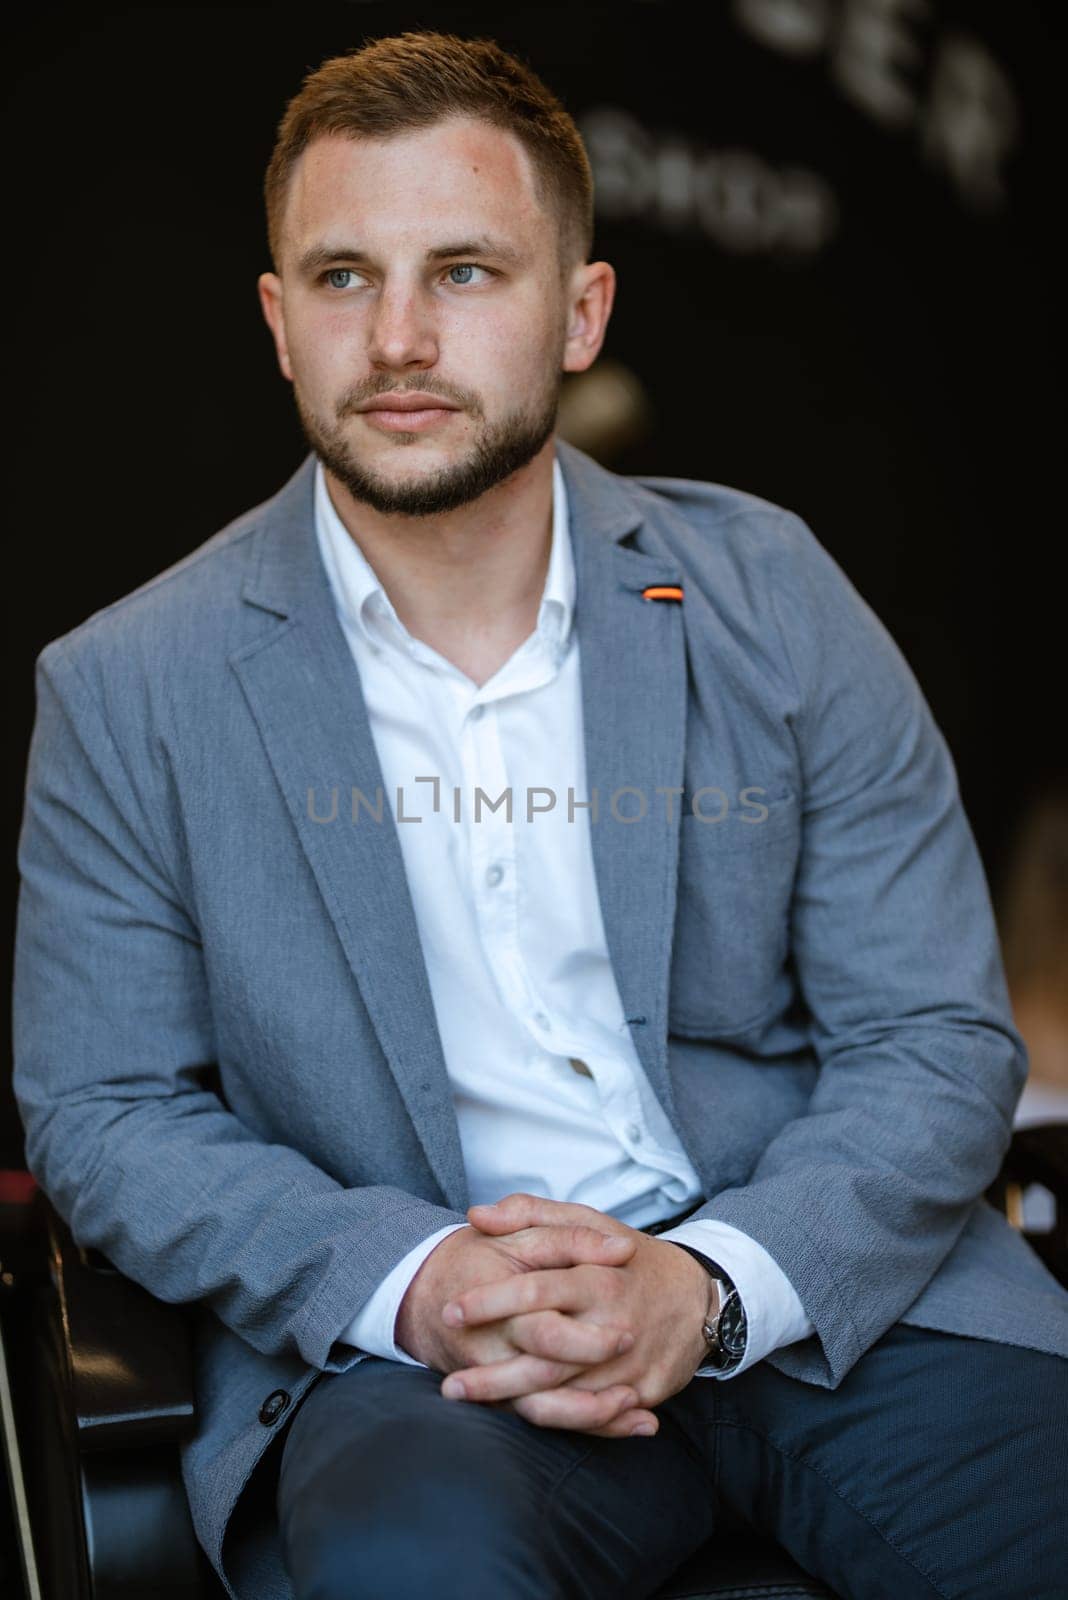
(672, 951)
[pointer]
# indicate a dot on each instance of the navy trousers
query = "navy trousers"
(937, 1468)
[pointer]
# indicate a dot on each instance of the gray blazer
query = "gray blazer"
(226, 1056)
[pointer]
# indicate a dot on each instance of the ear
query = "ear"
(269, 288)
(593, 290)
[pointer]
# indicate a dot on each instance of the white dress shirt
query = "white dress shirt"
(550, 1095)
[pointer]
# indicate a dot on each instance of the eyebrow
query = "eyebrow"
(321, 255)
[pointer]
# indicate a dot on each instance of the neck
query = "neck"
(479, 570)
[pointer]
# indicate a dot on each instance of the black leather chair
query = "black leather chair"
(98, 1382)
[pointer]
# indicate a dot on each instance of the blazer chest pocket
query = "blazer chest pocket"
(732, 920)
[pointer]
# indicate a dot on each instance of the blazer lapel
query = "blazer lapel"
(304, 691)
(633, 667)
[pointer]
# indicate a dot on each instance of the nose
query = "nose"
(401, 332)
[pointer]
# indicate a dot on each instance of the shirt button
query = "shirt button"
(272, 1408)
(494, 875)
(542, 1021)
(634, 1132)
(580, 1066)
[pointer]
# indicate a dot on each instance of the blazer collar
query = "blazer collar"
(286, 571)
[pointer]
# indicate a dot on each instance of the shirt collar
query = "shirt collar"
(362, 601)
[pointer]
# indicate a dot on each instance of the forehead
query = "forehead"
(461, 173)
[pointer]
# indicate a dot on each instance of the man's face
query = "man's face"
(421, 263)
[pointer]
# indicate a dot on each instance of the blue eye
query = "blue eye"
(466, 266)
(336, 272)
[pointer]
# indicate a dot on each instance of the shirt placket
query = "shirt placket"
(492, 836)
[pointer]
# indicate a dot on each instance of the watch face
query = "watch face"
(732, 1327)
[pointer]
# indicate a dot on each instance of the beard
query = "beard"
(499, 450)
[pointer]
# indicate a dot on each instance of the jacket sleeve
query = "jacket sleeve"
(114, 1067)
(896, 957)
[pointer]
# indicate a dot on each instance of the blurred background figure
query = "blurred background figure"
(604, 411)
(1033, 919)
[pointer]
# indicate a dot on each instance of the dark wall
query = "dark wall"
(832, 227)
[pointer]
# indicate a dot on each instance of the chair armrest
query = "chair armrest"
(1037, 1155)
(128, 1355)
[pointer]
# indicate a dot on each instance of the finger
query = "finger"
(631, 1418)
(521, 1210)
(578, 1409)
(564, 1290)
(628, 1424)
(564, 1246)
(556, 1337)
(504, 1380)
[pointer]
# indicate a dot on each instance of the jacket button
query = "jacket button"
(273, 1406)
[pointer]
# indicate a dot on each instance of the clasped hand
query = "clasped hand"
(558, 1312)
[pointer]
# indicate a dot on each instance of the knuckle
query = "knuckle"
(531, 1334)
(598, 1340)
(528, 1290)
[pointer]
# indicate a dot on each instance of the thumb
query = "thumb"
(523, 1210)
(569, 1245)
(514, 1211)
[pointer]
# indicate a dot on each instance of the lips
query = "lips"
(407, 413)
(408, 402)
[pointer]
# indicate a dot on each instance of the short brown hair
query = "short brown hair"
(416, 79)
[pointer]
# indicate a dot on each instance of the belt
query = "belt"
(670, 1222)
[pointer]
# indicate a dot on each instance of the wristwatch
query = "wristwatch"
(727, 1332)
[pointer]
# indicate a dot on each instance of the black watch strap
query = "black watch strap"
(727, 1335)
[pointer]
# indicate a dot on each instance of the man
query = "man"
(726, 1064)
